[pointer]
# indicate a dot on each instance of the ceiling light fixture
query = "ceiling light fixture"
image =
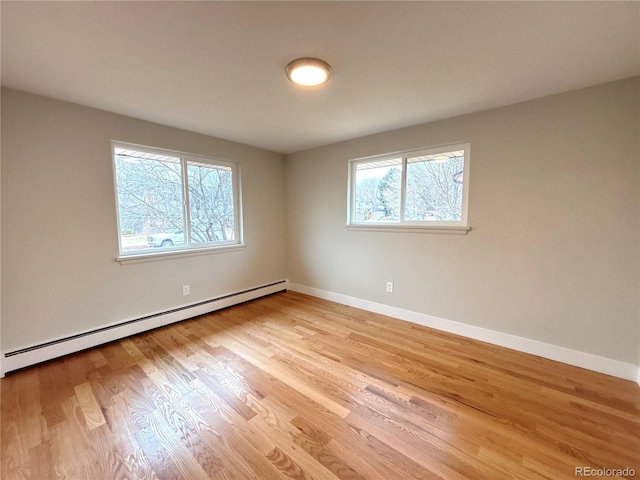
(308, 72)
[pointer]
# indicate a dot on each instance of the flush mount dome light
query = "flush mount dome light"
(308, 72)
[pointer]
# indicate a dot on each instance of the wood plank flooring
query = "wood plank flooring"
(293, 387)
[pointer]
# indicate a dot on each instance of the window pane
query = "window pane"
(434, 187)
(211, 203)
(377, 191)
(150, 200)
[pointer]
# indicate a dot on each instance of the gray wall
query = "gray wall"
(59, 234)
(554, 206)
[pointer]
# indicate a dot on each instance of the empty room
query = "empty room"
(320, 240)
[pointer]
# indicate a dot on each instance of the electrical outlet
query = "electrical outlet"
(185, 290)
(390, 287)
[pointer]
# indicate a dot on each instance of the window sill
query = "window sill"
(437, 229)
(156, 256)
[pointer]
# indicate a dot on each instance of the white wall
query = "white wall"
(554, 206)
(59, 235)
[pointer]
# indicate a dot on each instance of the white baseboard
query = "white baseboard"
(589, 361)
(31, 355)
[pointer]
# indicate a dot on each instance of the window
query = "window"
(169, 201)
(418, 189)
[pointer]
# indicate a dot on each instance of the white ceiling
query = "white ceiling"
(218, 67)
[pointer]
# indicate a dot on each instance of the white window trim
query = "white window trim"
(171, 254)
(408, 228)
(461, 227)
(190, 250)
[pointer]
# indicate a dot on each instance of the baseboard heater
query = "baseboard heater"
(59, 347)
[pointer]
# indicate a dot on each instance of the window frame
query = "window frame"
(189, 248)
(436, 226)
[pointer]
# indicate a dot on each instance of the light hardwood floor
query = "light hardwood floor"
(290, 386)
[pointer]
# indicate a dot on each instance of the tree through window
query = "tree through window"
(411, 188)
(173, 201)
